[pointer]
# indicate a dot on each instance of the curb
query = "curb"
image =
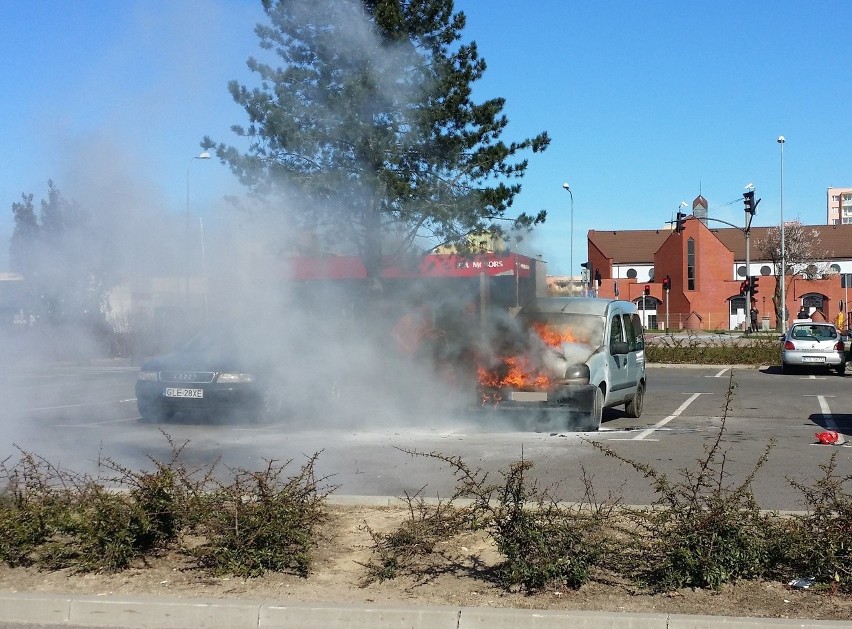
(45, 610)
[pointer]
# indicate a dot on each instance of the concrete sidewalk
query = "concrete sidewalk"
(58, 610)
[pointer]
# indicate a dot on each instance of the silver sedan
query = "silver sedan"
(813, 344)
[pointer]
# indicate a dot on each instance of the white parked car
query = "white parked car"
(812, 344)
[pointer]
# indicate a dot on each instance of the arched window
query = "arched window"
(737, 303)
(814, 300)
(650, 303)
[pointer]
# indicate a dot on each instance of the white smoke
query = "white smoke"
(333, 372)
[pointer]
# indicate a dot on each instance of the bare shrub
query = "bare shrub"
(703, 529)
(820, 542)
(263, 521)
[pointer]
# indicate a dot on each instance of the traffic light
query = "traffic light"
(647, 289)
(743, 288)
(681, 222)
(748, 201)
(598, 277)
(753, 285)
(667, 283)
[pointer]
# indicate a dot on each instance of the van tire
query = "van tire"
(634, 406)
(597, 409)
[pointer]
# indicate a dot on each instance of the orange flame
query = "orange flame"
(519, 372)
(551, 336)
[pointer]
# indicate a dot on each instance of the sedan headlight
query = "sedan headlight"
(235, 378)
(145, 374)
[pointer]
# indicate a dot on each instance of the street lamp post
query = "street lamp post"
(204, 155)
(571, 245)
(203, 263)
(781, 141)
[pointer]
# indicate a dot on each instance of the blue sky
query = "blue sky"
(647, 104)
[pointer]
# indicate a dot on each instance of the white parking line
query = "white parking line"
(56, 408)
(826, 412)
(680, 409)
(720, 374)
(98, 424)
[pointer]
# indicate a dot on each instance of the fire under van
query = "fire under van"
(566, 360)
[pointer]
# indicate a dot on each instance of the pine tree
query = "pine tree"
(25, 238)
(368, 129)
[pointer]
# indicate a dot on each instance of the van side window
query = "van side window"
(630, 333)
(615, 331)
(634, 333)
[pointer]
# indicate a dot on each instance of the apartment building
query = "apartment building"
(838, 204)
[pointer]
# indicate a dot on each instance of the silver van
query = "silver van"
(593, 353)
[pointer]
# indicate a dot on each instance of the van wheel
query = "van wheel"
(597, 409)
(634, 406)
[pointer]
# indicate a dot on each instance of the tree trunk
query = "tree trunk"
(373, 294)
(776, 300)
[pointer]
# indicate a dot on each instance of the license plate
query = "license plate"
(528, 396)
(189, 393)
(813, 359)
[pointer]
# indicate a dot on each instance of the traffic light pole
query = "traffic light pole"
(750, 209)
(748, 275)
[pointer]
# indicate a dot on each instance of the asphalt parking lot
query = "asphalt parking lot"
(74, 416)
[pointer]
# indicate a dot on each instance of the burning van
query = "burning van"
(564, 360)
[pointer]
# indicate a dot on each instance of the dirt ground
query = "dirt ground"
(339, 576)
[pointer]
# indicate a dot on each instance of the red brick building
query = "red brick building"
(706, 266)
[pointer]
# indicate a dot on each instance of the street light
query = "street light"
(204, 155)
(781, 141)
(571, 246)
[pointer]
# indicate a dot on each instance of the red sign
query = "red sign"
(351, 267)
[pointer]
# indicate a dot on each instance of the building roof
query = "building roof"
(639, 246)
(635, 246)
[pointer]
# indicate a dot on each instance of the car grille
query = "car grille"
(195, 377)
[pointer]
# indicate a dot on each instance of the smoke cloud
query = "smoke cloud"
(179, 269)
